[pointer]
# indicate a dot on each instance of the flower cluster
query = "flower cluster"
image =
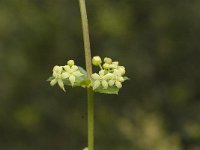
(107, 80)
(61, 73)
(110, 74)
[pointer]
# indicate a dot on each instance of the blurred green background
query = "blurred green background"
(157, 41)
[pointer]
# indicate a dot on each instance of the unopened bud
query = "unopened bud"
(70, 62)
(115, 63)
(106, 66)
(96, 60)
(107, 60)
(122, 70)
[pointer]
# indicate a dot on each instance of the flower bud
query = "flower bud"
(111, 82)
(96, 60)
(70, 62)
(104, 84)
(96, 84)
(113, 66)
(122, 70)
(95, 76)
(107, 76)
(120, 79)
(106, 66)
(115, 63)
(107, 60)
(57, 69)
(118, 84)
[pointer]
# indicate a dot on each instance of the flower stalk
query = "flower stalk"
(90, 93)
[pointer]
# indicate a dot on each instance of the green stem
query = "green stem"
(90, 93)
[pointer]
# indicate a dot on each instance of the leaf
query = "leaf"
(50, 78)
(126, 78)
(67, 82)
(85, 83)
(109, 90)
(83, 71)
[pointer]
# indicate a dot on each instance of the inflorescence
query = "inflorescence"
(110, 74)
(108, 80)
(69, 71)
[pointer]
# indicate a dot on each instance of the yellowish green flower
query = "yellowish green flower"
(71, 72)
(99, 79)
(57, 74)
(96, 60)
(111, 74)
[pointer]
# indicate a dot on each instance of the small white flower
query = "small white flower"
(99, 79)
(110, 75)
(116, 79)
(71, 72)
(96, 60)
(57, 74)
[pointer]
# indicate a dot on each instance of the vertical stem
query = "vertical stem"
(90, 93)
(86, 37)
(90, 119)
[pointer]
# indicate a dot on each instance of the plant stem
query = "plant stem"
(90, 93)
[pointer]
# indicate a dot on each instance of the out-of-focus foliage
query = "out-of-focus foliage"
(157, 41)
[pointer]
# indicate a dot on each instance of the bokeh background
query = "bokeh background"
(159, 43)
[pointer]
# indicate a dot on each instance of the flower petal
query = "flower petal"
(118, 84)
(107, 76)
(53, 82)
(95, 76)
(111, 82)
(72, 79)
(96, 84)
(74, 68)
(57, 69)
(67, 68)
(61, 84)
(77, 73)
(104, 84)
(120, 79)
(116, 72)
(65, 75)
(101, 73)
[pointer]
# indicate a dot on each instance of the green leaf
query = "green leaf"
(109, 90)
(83, 71)
(67, 82)
(126, 78)
(85, 83)
(50, 78)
